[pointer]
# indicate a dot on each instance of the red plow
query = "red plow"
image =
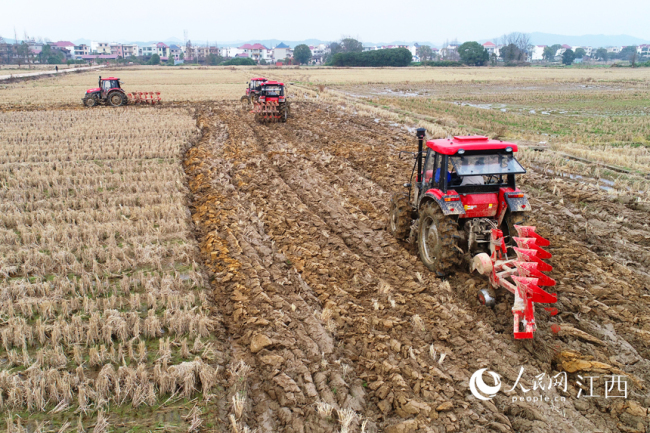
(266, 112)
(150, 98)
(522, 276)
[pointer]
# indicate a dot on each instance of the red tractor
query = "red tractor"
(271, 104)
(252, 92)
(464, 199)
(109, 92)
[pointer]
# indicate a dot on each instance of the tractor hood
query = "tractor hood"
(97, 89)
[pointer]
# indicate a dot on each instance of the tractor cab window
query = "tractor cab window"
(109, 84)
(273, 90)
(485, 165)
(429, 168)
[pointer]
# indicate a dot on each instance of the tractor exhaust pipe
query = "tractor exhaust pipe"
(420, 133)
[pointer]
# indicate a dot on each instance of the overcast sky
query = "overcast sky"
(371, 21)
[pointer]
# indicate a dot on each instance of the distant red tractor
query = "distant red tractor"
(271, 104)
(109, 92)
(463, 206)
(252, 92)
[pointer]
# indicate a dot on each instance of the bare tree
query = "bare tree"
(425, 52)
(516, 47)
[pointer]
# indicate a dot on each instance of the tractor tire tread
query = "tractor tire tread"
(449, 255)
(123, 99)
(399, 204)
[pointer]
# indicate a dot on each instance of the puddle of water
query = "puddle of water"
(468, 104)
(399, 93)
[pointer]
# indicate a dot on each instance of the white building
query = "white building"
(230, 52)
(538, 53)
(318, 52)
(282, 51)
(490, 47)
(643, 50)
(414, 52)
(149, 50)
(101, 47)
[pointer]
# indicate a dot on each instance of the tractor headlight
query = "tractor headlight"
(461, 151)
(508, 149)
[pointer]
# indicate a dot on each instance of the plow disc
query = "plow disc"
(523, 276)
(151, 98)
(267, 112)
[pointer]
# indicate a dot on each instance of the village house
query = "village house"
(256, 52)
(282, 51)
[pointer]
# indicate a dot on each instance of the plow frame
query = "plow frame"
(521, 276)
(268, 112)
(150, 98)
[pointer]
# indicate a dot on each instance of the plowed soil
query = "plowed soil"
(326, 306)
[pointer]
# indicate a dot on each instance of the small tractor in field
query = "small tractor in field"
(464, 205)
(272, 104)
(252, 92)
(110, 92)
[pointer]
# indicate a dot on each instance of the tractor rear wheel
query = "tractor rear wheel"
(510, 220)
(116, 99)
(284, 113)
(400, 217)
(438, 239)
(90, 101)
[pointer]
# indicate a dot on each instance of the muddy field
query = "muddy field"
(319, 320)
(345, 330)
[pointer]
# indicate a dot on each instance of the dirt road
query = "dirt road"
(48, 73)
(338, 320)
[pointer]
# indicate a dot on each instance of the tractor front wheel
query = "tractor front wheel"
(400, 216)
(245, 102)
(116, 99)
(90, 101)
(438, 239)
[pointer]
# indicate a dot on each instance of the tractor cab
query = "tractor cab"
(473, 170)
(272, 91)
(108, 84)
(254, 85)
